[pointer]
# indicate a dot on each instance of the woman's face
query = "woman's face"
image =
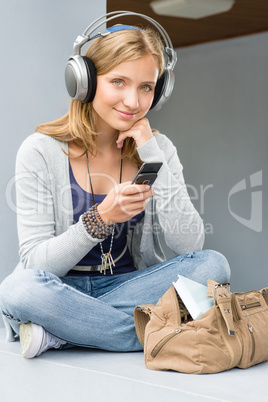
(125, 94)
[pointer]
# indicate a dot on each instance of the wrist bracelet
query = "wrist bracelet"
(98, 215)
(93, 226)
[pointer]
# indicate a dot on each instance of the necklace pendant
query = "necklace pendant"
(107, 260)
(104, 263)
(111, 269)
(111, 258)
(111, 262)
(105, 266)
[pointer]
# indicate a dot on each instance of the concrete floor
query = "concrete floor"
(92, 375)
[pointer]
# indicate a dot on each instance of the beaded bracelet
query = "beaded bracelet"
(93, 226)
(98, 215)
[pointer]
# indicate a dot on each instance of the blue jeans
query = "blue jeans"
(98, 311)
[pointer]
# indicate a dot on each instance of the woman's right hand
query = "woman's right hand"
(124, 201)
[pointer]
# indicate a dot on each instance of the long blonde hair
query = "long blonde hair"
(79, 124)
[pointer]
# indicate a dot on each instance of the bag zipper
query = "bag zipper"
(159, 346)
(251, 305)
(253, 342)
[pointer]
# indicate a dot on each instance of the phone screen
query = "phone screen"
(147, 173)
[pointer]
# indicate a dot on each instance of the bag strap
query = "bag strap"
(225, 305)
(142, 315)
(211, 287)
(223, 299)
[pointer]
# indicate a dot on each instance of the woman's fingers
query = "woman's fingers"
(141, 132)
(124, 201)
(133, 189)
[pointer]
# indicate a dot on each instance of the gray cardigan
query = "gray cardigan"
(49, 240)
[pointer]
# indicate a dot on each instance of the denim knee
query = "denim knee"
(219, 266)
(15, 289)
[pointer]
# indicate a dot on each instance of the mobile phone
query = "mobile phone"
(147, 173)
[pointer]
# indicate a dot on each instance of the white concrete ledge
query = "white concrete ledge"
(85, 375)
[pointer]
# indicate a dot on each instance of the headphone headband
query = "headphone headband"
(108, 17)
(86, 35)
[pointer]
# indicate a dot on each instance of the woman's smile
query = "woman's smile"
(125, 115)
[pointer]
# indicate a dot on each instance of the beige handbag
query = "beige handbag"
(233, 333)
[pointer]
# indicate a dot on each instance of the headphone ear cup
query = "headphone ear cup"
(81, 78)
(92, 80)
(158, 92)
(163, 89)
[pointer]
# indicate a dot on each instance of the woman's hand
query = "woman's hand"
(124, 201)
(140, 131)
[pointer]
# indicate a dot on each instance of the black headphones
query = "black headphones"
(80, 72)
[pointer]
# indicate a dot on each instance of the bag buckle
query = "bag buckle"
(146, 310)
(224, 289)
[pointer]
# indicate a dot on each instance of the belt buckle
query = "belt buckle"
(224, 289)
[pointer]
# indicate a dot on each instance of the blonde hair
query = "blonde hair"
(79, 124)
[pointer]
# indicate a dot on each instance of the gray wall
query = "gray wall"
(217, 117)
(36, 40)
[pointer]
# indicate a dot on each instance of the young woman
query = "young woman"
(89, 240)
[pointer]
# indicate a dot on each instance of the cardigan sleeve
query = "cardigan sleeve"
(39, 246)
(171, 207)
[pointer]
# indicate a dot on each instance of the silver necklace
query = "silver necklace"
(106, 258)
